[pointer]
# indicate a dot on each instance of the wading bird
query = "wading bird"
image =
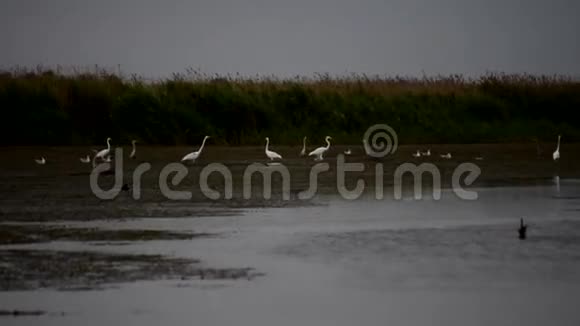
(303, 151)
(94, 163)
(42, 161)
(522, 230)
(556, 154)
(427, 153)
(194, 155)
(447, 156)
(321, 150)
(417, 154)
(272, 155)
(104, 152)
(86, 159)
(134, 151)
(347, 152)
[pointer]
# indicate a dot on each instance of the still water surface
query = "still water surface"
(331, 261)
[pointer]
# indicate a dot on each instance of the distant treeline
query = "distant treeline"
(42, 107)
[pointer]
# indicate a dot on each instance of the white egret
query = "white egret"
(447, 156)
(321, 150)
(194, 155)
(556, 154)
(427, 153)
(303, 151)
(417, 154)
(271, 155)
(86, 159)
(104, 152)
(134, 151)
(42, 161)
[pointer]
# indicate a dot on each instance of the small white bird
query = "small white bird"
(347, 152)
(417, 154)
(134, 151)
(447, 156)
(194, 155)
(270, 154)
(319, 152)
(427, 153)
(556, 154)
(42, 161)
(104, 152)
(86, 159)
(303, 151)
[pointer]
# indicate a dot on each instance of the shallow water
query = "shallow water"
(331, 261)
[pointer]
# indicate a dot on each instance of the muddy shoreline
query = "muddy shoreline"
(60, 191)
(23, 269)
(26, 270)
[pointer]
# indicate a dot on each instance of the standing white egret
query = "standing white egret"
(194, 155)
(134, 151)
(417, 154)
(447, 156)
(104, 152)
(86, 159)
(303, 151)
(321, 150)
(42, 161)
(271, 155)
(556, 154)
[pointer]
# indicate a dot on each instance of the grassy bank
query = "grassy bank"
(45, 107)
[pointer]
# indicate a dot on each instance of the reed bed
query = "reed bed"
(43, 106)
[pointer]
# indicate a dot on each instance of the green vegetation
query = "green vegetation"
(44, 107)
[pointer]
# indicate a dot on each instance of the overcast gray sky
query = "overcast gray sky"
(288, 37)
